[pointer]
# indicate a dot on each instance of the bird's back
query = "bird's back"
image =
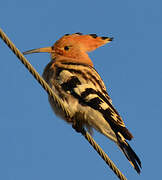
(81, 89)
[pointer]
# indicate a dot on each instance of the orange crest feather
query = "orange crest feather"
(85, 43)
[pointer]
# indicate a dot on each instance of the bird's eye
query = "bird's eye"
(66, 48)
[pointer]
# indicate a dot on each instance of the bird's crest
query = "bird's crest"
(85, 43)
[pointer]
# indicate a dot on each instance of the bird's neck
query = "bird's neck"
(84, 59)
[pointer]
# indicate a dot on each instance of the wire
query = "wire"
(56, 99)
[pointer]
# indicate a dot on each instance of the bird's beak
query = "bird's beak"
(45, 49)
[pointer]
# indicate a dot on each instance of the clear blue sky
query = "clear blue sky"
(34, 143)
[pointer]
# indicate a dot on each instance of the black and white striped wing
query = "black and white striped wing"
(84, 83)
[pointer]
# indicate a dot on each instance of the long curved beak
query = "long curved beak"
(45, 49)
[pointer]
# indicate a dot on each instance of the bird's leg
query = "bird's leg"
(78, 123)
(78, 126)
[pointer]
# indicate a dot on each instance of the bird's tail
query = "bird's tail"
(129, 153)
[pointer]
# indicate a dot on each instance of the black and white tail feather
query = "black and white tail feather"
(129, 153)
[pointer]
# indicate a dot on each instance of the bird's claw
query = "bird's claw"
(78, 126)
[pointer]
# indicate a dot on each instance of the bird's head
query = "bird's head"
(74, 47)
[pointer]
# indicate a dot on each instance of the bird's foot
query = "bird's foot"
(78, 126)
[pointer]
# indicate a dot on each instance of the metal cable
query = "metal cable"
(53, 95)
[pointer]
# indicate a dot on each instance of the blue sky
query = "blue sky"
(34, 143)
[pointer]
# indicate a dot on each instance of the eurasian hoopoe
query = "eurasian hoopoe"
(82, 92)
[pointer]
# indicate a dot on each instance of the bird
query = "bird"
(82, 93)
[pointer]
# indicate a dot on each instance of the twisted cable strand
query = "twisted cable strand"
(103, 155)
(51, 93)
